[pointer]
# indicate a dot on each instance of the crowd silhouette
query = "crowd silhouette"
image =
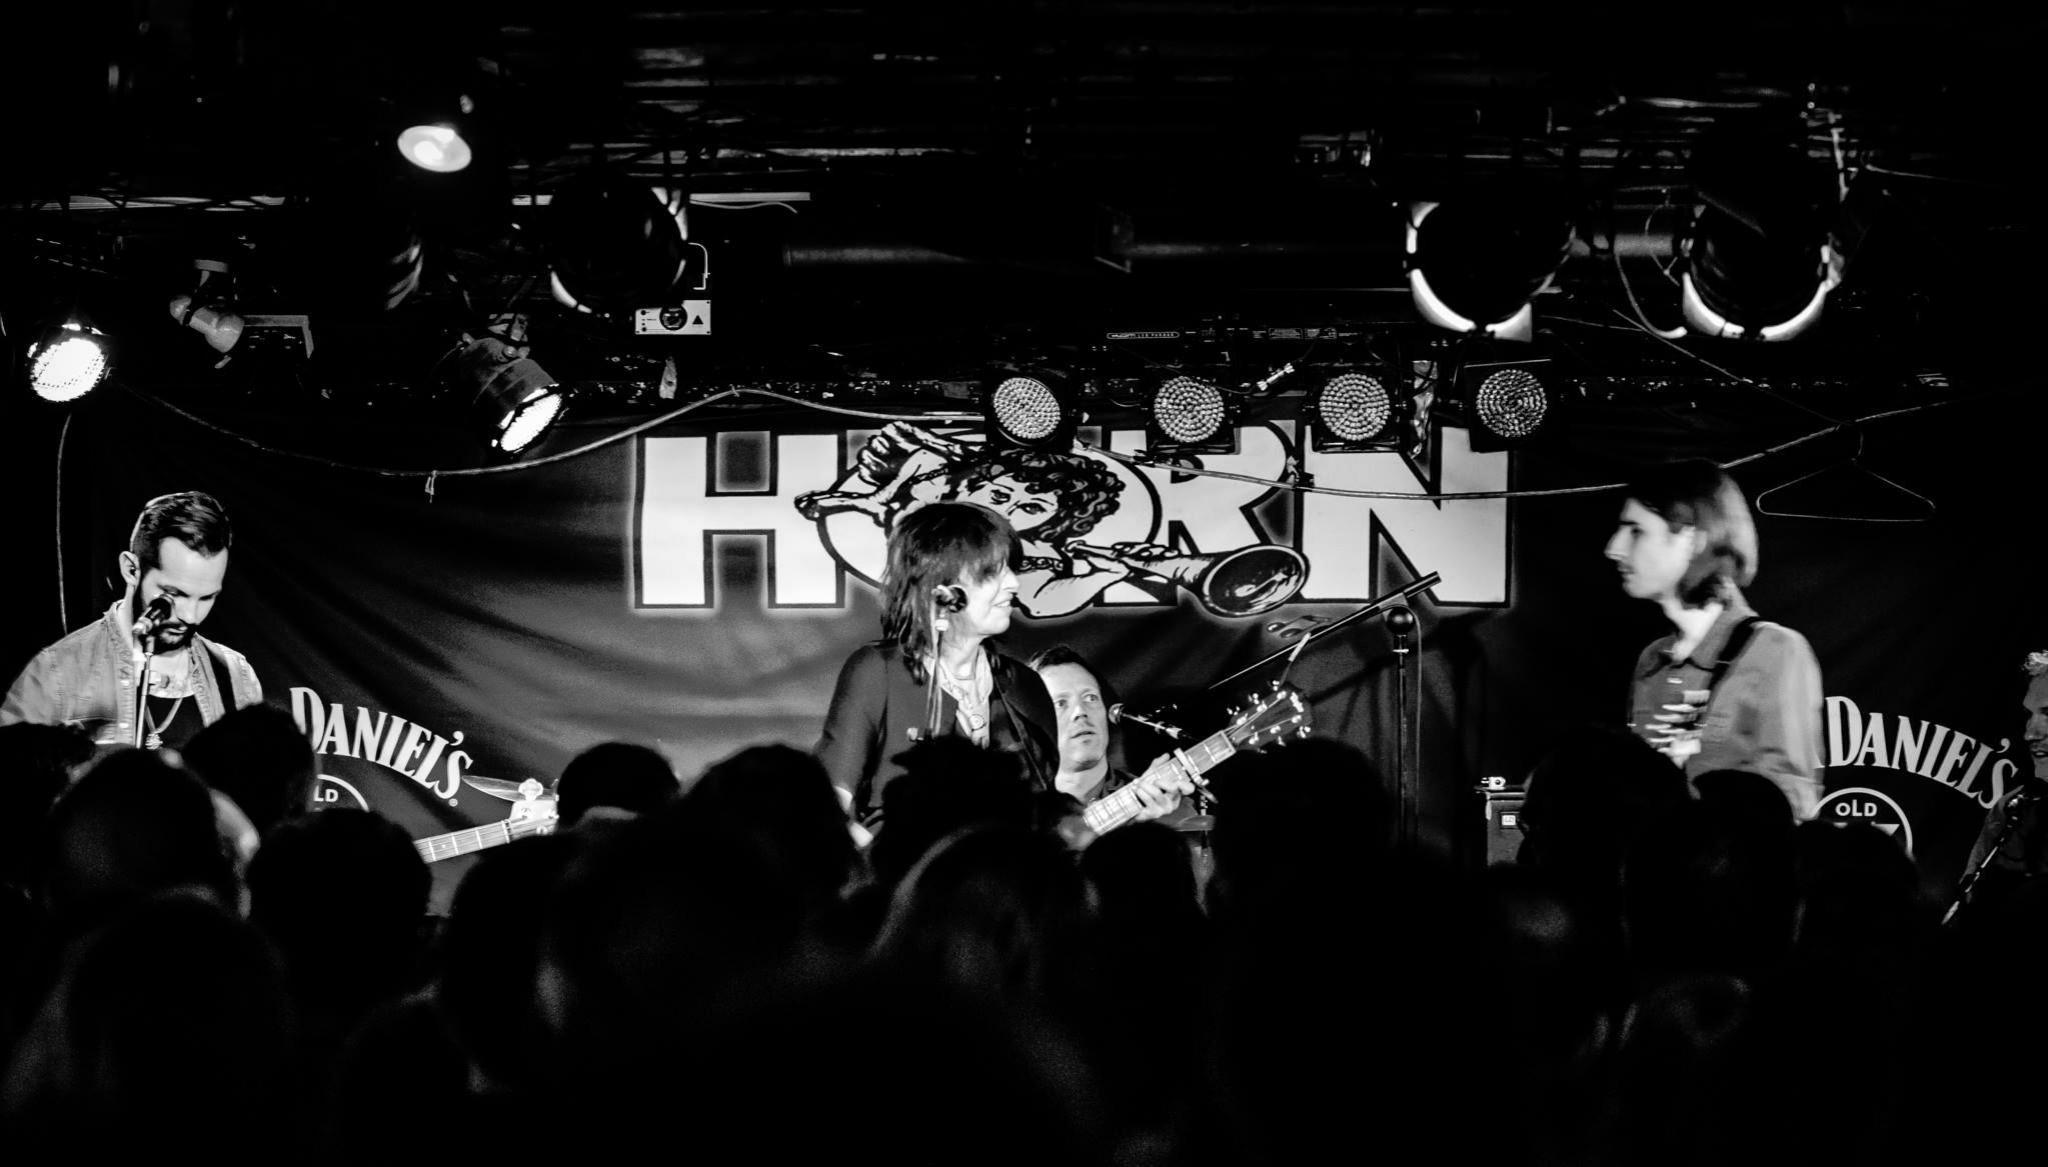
(1673, 973)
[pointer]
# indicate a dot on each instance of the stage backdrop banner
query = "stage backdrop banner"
(697, 587)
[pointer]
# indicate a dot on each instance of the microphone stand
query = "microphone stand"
(148, 643)
(2006, 821)
(1401, 623)
(934, 704)
(1392, 603)
(1371, 608)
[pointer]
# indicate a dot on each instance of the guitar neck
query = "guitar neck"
(438, 847)
(1114, 810)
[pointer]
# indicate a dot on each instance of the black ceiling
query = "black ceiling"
(915, 185)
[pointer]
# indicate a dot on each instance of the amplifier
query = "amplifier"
(1502, 831)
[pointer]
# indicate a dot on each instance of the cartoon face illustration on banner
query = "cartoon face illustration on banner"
(1085, 522)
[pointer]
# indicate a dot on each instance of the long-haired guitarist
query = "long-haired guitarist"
(1725, 689)
(947, 592)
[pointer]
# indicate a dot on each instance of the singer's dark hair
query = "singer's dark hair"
(1696, 493)
(192, 517)
(940, 544)
(1065, 654)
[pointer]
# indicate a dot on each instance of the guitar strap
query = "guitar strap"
(221, 683)
(1737, 641)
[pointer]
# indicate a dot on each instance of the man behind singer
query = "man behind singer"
(176, 559)
(1082, 702)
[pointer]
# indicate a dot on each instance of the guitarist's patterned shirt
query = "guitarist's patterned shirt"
(1763, 717)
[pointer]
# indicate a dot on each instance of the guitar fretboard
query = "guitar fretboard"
(448, 846)
(1114, 810)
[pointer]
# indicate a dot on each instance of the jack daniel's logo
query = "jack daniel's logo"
(406, 748)
(1914, 746)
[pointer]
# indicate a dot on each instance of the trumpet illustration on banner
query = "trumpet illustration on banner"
(1243, 581)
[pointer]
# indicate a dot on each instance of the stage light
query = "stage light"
(516, 401)
(1357, 411)
(206, 310)
(525, 409)
(613, 244)
(1353, 407)
(433, 138)
(438, 148)
(1475, 265)
(1031, 410)
(1186, 413)
(68, 362)
(1510, 404)
(1737, 284)
(1757, 263)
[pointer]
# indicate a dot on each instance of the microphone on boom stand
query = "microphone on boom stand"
(154, 616)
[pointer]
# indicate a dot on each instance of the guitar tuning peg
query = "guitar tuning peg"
(1301, 732)
(1274, 684)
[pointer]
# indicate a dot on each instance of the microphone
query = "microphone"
(1117, 713)
(155, 616)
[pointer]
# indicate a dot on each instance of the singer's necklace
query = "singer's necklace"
(155, 738)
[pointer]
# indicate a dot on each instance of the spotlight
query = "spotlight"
(1031, 410)
(1757, 264)
(1510, 404)
(1474, 265)
(68, 362)
(438, 148)
(516, 400)
(1191, 415)
(206, 310)
(613, 244)
(1738, 284)
(433, 138)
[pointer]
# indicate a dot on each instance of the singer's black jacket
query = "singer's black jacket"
(877, 704)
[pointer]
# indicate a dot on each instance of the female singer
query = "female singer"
(946, 591)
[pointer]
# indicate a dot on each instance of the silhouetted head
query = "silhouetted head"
(1709, 887)
(490, 955)
(990, 910)
(36, 763)
(173, 1008)
(343, 895)
(1589, 797)
(257, 757)
(134, 825)
(781, 799)
(948, 784)
(1308, 819)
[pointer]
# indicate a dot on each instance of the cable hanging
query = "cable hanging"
(431, 477)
